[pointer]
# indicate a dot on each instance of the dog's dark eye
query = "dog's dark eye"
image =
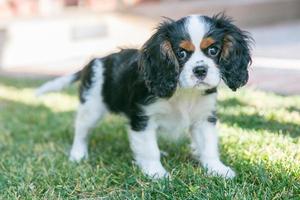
(182, 54)
(213, 51)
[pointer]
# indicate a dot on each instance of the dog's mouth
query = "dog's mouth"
(201, 83)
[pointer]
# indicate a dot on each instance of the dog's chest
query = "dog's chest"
(182, 110)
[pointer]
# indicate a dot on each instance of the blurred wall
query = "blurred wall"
(57, 35)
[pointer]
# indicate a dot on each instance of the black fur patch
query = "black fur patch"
(210, 91)
(124, 89)
(159, 63)
(86, 75)
(76, 76)
(212, 118)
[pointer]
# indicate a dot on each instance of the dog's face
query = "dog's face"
(195, 52)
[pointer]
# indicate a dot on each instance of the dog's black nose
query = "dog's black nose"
(200, 71)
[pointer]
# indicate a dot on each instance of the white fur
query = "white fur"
(175, 115)
(188, 110)
(205, 148)
(197, 28)
(146, 151)
(55, 85)
(88, 114)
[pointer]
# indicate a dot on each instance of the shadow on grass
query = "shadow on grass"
(29, 122)
(39, 124)
(256, 121)
(293, 109)
(231, 102)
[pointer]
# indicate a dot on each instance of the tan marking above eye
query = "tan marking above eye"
(187, 45)
(206, 42)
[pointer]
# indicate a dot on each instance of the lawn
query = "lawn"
(259, 138)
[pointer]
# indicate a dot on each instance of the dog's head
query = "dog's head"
(195, 52)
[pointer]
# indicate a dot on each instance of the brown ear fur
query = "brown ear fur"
(158, 63)
(227, 47)
(168, 53)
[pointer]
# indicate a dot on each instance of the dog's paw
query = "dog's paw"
(77, 154)
(153, 169)
(217, 168)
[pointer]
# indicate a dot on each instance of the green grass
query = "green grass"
(259, 138)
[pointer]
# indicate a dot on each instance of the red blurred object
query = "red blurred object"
(10, 8)
(71, 2)
(18, 7)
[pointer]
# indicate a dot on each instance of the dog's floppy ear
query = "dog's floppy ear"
(235, 56)
(158, 63)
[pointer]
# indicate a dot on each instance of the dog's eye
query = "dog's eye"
(213, 51)
(182, 54)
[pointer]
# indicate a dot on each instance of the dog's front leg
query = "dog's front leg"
(205, 146)
(146, 152)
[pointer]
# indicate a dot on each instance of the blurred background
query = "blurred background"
(53, 37)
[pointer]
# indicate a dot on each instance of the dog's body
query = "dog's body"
(169, 84)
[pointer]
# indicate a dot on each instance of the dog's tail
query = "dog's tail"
(58, 84)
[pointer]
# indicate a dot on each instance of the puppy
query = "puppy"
(170, 83)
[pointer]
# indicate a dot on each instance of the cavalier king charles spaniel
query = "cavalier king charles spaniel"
(169, 85)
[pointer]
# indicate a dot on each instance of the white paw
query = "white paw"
(217, 168)
(153, 169)
(77, 154)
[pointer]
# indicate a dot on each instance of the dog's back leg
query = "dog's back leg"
(87, 117)
(90, 110)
